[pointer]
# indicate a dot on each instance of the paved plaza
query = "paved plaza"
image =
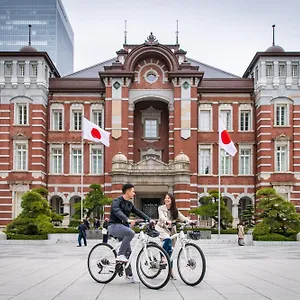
(59, 271)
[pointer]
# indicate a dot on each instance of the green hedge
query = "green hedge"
(273, 237)
(15, 236)
(64, 230)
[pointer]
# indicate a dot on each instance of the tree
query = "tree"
(94, 202)
(209, 207)
(35, 217)
(277, 214)
(248, 216)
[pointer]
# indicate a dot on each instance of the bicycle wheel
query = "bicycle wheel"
(102, 263)
(191, 264)
(153, 266)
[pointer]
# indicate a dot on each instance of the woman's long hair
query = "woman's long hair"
(173, 208)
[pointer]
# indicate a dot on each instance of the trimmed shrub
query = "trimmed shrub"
(272, 237)
(74, 223)
(15, 236)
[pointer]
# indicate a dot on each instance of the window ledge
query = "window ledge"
(22, 125)
(246, 131)
(151, 139)
(58, 130)
(282, 172)
(209, 131)
(281, 126)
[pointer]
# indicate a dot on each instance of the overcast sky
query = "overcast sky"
(223, 33)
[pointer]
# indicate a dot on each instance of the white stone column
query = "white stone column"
(66, 220)
(288, 82)
(14, 78)
(2, 78)
(235, 214)
(27, 77)
(40, 73)
(262, 81)
(276, 75)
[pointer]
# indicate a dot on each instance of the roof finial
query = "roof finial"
(29, 39)
(273, 26)
(177, 32)
(125, 33)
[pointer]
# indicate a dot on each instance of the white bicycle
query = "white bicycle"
(191, 263)
(153, 264)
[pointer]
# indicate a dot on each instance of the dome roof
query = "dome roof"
(275, 48)
(119, 158)
(182, 158)
(28, 49)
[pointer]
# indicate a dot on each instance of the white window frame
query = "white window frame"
(72, 169)
(33, 69)
(286, 119)
(8, 66)
(16, 163)
(101, 169)
(225, 155)
(282, 69)
(281, 144)
(52, 166)
(75, 109)
(95, 121)
(243, 108)
(21, 69)
(295, 70)
(17, 113)
(200, 168)
(227, 120)
(250, 149)
(206, 108)
(269, 70)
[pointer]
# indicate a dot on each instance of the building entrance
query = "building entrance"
(150, 206)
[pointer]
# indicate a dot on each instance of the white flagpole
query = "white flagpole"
(81, 183)
(219, 202)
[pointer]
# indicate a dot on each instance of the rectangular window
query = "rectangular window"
(205, 120)
(21, 114)
(281, 70)
(57, 161)
(245, 120)
(151, 128)
(97, 118)
(245, 162)
(281, 158)
(256, 74)
(33, 70)
(226, 118)
(76, 161)
(8, 69)
(281, 115)
(77, 120)
(205, 161)
(269, 70)
(295, 72)
(96, 161)
(21, 69)
(225, 163)
(21, 157)
(57, 119)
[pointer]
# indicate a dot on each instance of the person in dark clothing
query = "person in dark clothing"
(104, 230)
(97, 223)
(121, 208)
(81, 234)
(87, 223)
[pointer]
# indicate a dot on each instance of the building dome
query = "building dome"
(275, 48)
(119, 158)
(28, 49)
(182, 158)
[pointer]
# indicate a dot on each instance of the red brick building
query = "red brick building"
(162, 110)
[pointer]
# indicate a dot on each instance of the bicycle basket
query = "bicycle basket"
(195, 235)
(151, 231)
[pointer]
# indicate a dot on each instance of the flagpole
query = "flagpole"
(219, 202)
(81, 181)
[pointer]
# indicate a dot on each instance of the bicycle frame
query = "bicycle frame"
(142, 239)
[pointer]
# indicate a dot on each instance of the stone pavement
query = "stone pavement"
(59, 272)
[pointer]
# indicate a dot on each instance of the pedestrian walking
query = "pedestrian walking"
(82, 234)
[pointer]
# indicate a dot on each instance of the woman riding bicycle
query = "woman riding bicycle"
(166, 214)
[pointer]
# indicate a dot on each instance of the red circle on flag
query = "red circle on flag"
(96, 133)
(225, 138)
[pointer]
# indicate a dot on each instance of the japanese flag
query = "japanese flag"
(225, 140)
(94, 133)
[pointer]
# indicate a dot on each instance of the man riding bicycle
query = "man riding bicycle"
(121, 208)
